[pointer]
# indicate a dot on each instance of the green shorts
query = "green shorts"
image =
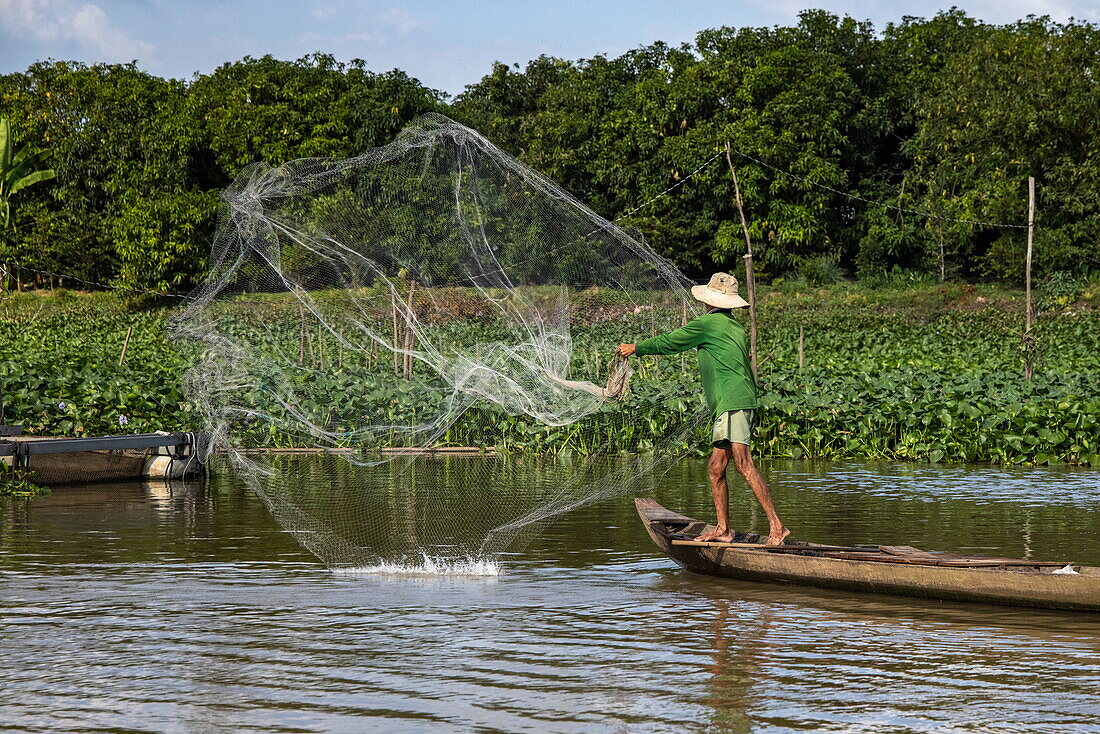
(733, 426)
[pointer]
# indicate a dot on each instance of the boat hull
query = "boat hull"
(1042, 589)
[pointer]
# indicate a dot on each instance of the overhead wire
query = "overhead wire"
(872, 202)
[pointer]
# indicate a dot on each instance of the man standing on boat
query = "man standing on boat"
(730, 390)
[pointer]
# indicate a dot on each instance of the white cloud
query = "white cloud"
(384, 26)
(62, 20)
(324, 12)
(374, 37)
(399, 20)
(1059, 10)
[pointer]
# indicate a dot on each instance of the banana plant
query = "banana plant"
(16, 171)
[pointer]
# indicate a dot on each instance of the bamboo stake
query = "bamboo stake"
(943, 263)
(301, 335)
(396, 348)
(750, 278)
(125, 344)
(801, 346)
(683, 322)
(309, 342)
(320, 350)
(1029, 352)
(407, 359)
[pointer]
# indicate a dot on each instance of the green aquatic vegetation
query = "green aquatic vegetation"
(19, 484)
(883, 379)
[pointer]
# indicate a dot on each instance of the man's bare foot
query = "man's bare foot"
(717, 535)
(777, 538)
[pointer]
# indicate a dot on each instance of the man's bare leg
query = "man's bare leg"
(742, 461)
(719, 490)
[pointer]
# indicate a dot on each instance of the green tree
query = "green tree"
(805, 100)
(944, 116)
(1013, 101)
(119, 138)
(276, 111)
(501, 105)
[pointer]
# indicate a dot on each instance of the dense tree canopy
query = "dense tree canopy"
(947, 116)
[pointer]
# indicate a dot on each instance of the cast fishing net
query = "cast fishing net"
(437, 321)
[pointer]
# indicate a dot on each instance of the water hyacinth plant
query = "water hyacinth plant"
(918, 375)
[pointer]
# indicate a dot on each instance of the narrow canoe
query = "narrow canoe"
(880, 569)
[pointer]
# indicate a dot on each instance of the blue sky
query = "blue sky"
(447, 45)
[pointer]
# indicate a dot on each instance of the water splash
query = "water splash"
(429, 566)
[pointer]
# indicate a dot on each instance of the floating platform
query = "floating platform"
(52, 461)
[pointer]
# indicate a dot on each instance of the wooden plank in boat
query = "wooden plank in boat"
(762, 547)
(907, 551)
(983, 562)
(958, 562)
(908, 556)
(667, 516)
(882, 558)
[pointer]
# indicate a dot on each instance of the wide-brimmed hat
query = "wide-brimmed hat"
(720, 292)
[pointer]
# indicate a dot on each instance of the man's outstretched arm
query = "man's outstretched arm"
(686, 337)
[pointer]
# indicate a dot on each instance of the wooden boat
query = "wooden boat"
(900, 570)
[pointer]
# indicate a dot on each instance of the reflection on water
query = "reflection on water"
(187, 608)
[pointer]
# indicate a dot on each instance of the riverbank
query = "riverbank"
(921, 373)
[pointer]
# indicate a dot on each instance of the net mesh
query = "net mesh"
(437, 316)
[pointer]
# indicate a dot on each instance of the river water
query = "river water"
(187, 609)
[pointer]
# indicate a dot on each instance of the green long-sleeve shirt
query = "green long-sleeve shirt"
(723, 359)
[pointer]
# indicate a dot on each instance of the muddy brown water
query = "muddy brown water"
(186, 608)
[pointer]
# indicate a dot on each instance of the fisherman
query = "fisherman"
(730, 389)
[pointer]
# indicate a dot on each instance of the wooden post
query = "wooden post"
(750, 278)
(1029, 343)
(125, 344)
(801, 346)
